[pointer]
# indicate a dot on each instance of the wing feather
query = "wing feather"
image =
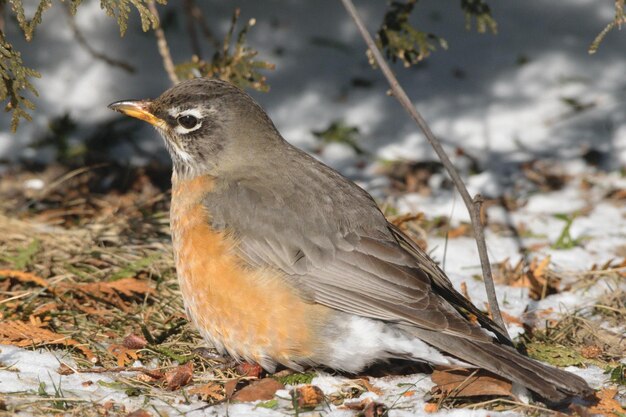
(343, 254)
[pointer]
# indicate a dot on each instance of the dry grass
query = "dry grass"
(81, 247)
(76, 233)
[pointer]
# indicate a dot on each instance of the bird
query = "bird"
(281, 260)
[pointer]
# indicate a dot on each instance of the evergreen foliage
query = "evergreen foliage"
(16, 76)
(15, 81)
(400, 40)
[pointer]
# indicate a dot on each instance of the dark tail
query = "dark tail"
(553, 384)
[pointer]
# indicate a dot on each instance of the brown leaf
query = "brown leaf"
(459, 231)
(431, 408)
(24, 334)
(132, 341)
(152, 373)
(139, 413)
(308, 396)
(130, 286)
(179, 377)
(65, 370)
(251, 370)
(469, 383)
(509, 319)
(617, 194)
(111, 292)
(368, 386)
(210, 391)
(263, 389)
(45, 308)
(367, 408)
(591, 351)
(123, 355)
(230, 386)
(607, 404)
(536, 277)
(23, 277)
(374, 409)
(464, 291)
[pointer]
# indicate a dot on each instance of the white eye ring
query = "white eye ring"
(195, 114)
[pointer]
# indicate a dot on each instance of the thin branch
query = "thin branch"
(191, 28)
(473, 205)
(82, 41)
(164, 50)
(197, 14)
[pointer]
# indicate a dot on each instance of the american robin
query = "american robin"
(281, 260)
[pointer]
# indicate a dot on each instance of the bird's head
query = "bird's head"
(207, 125)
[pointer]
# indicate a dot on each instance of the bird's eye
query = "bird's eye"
(188, 121)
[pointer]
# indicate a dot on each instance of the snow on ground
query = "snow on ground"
(477, 96)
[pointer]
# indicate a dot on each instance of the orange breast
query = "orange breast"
(252, 314)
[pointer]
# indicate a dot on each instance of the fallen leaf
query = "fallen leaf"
(110, 292)
(616, 194)
(132, 341)
(24, 334)
(469, 383)
(459, 231)
(464, 291)
(251, 370)
(607, 404)
(210, 391)
(23, 277)
(65, 370)
(509, 319)
(358, 405)
(431, 408)
(367, 408)
(128, 286)
(179, 377)
(152, 373)
(368, 386)
(45, 308)
(139, 413)
(123, 355)
(591, 351)
(230, 386)
(536, 277)
(263, 389)
(307, 396)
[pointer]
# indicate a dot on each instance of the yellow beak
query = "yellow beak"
(139, 110)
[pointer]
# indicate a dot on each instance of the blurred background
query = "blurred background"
(531, 90)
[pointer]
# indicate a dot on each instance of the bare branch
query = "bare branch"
(82, 41)
(197, 14)
(472, 206)
(164, 50)
(191, 28)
